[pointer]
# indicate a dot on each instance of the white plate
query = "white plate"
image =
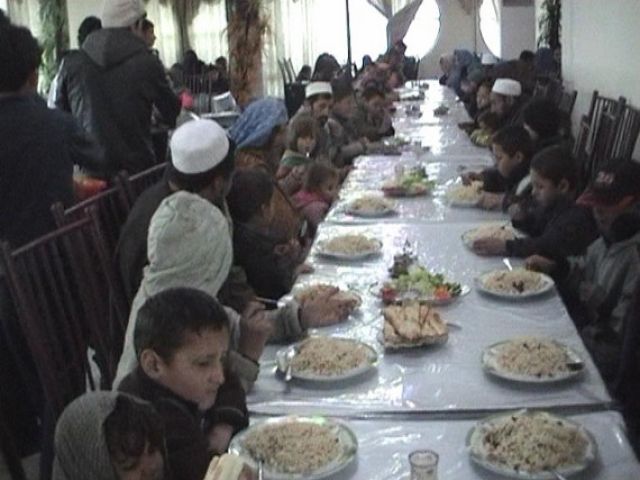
(369, 214)
(490, 364)
(474, 436)
(467, 237)
(303, 285)
(415, 296)
(346, 439)
(282, 362)
(547, 285)
(425, 342)
(321, 250)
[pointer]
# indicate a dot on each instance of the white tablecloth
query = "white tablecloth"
(385, 444)
(441, 378)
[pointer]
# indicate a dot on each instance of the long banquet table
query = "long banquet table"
(430, 397)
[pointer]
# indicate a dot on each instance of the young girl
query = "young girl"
(297, 156)
(556, 226)
(319, 192)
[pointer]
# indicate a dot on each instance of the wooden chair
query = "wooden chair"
(627, 134)
(63, 289)
(134, 185)
(567, 102)
(112, 206)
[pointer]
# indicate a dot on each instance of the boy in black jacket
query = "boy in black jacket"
(556, 226)
(181, 340)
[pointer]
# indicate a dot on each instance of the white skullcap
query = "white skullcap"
(121, 13)
(508, 87)
(198, 146)
(189, 245)
(318, 88)
(488, 59)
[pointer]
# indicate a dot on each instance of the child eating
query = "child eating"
(319, 192)
(556, 226)
(181, 341)
(296, 158)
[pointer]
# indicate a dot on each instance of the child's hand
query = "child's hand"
(516, 212)
(490, 201)
(255, 330)
(490, 246)
(469, 177)
(325, 309)
(219, 437)
(538, 263)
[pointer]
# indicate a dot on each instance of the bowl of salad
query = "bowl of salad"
(412, 183)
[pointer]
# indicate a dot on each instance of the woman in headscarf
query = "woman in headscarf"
(260, 135)
(109, 436)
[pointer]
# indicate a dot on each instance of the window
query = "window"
(208, 33)
(423, 32)
(490, 25)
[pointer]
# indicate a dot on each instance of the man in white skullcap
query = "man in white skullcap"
(113, 87)
(202, 163)
(506, 101)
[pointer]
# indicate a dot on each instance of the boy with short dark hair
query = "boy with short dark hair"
(511, 148)
(181, 340)
(556, 226)
(371, 119)
(598, 287)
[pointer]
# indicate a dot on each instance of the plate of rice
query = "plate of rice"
(296, 448)
(370, 206)
(514, 284)
(529, 445)
(497, 230)
(460, 195)
(349, 247)
(532, 359)
(327, 359)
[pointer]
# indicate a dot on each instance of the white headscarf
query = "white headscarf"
(189, 245)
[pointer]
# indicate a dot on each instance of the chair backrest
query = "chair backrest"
(134, 185)
(283, 72)
(112, 207)
(63, 288)
(600, 150)
(627, 133)
(291, 72)
(567, 102)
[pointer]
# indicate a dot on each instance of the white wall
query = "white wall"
(456, 31)
(518, 30)
(600, 44)
(78, 11)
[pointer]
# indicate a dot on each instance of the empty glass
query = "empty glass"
(424, 465)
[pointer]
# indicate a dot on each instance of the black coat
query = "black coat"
(185, 427)
(564, 230)
(110, 86)
(38, 148)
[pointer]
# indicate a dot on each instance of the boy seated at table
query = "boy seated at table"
(371, 119)
(511, 148)
(181, 340)
(297, 157)
(269, 258)
(598, 287)
(556, 226)
(542, 120)
(319, 192)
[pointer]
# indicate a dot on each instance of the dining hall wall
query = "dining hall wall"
(456, 31)
(78, 10)
(600, 43)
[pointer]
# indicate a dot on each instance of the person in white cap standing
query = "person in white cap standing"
(112, 88)
(507, 101)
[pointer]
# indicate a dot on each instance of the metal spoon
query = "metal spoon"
(260, 469)
(507, 262)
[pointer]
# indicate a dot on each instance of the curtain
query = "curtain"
(208, 31)
(26, 14)
(166, 30)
